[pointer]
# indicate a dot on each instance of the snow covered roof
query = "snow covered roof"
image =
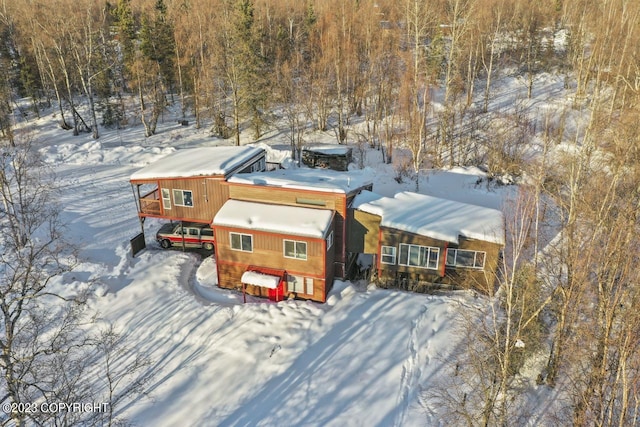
(259, 279)
(329, 149)
(433, 217)
(324, 180)
(291, 220)
(203, 161)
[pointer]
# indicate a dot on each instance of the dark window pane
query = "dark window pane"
(414, 255)
(404, 255)
(188, 198)
(247, 244)
(433, 258)
(451, 257)
(235, 241)
(301, 250)
(289, 248)
(465, 258)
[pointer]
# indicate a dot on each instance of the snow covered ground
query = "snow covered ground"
(364, 358)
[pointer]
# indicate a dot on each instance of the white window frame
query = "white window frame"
(475, 266)
(295, 249)
(330, 240)
(242, 246)
(421, 252)
(182, 197)
(166, 198)
(392, 255)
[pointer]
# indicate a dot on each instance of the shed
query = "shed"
(327, 156)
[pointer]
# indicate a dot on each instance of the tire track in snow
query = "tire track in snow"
(411, 370)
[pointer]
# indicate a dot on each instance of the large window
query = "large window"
(241, 242)
(388, 255)
(294, 249)
(183, 198)
(466, 258)
(419, 256)
(166, 199)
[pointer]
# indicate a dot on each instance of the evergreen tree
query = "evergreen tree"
(157, 43)
(124, 21)
(251, 66)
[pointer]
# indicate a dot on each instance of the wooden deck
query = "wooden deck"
(150, 203)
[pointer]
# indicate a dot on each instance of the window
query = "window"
(388, 255)
(194, 232)
(259, 166)
(466, 258)
(330, 240)
(295, 284)
(294, 249)
(419, 256)
(166, 199)
(183, 198)
(241, 242)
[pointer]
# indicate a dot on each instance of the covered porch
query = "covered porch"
(148, 199)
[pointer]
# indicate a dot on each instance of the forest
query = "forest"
(420, 76)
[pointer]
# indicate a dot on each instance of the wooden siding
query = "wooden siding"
(268, 251)
(422, 279)
(301, 198)
(208, 196)
(229, 277)
(287, 196)
(392, 237)
(363, 231)
(482, 280)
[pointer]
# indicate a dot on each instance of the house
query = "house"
(187, 184)
(307, 188)
(272, 250)
(291, 232)
(418, 241)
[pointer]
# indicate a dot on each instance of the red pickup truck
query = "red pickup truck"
(191, 234)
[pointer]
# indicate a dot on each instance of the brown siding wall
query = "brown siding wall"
(363, 232)
(481, 280)
(458, 277)
(293, 197)
(208, 196)
(268, 252)
(230, 278)
(286, 196)
(392, 237)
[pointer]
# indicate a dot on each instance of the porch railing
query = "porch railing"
(150, 203)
